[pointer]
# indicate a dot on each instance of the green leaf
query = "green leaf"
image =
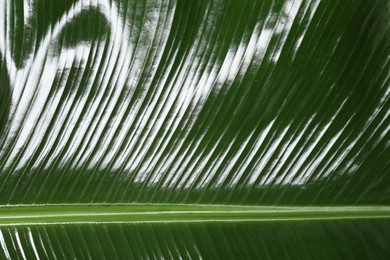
(194, 129)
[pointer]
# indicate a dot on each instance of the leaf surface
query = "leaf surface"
(194, 129)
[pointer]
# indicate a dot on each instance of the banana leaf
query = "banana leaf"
(188, 129)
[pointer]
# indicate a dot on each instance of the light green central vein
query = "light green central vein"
(155, 213)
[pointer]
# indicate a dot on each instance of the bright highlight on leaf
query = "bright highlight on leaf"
(243, 128)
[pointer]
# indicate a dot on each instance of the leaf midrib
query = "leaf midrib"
(156, 213)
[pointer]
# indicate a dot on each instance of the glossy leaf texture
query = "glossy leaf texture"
(223, 102)
(199, 241)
